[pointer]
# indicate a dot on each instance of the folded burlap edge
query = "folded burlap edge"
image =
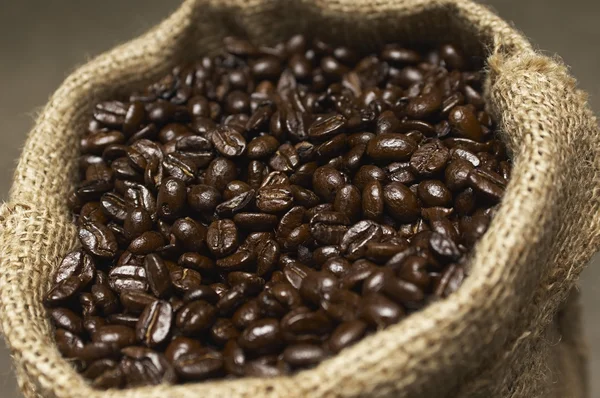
(409, 358)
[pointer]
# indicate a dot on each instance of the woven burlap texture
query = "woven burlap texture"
(510, 331)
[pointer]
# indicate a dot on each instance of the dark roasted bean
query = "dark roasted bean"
(390, 147)
(222, 237)
(203, 198)
(154, 324)
(195, 317)
(401, 202)
(347, 334)
(66, 319)
(379, 311)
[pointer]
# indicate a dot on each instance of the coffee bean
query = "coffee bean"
(222, 237)
(464, 122)
(128, 277)
(199, 365)
(66, 319)
(171, 198)
(157, 274)
(354, 242)
(372, 200)
(285, 158)
(430, 158)
(328, 228)
(326, 182)
(389, 147)
(303, 355)
(303, 326)
(195, 317)
(425, 105)
(185, 280)
(146, 243)
(135, 301)
(401, 202)
(154, 324)
(347, 334)
(274, 198)
(219, 173)
(368, 173)
(116, 334)
(228, 142)
(348, 201)
(98, 240)
(379, 311)
(487, 183)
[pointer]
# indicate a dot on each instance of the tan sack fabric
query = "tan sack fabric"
(510, 331)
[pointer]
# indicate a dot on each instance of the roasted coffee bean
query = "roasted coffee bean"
(390, 147)
(66, 319)
(372, 200)
(464, 122)
(487, 183)
(78, 264)
(195, 317)
(171, 199)
(124, 278)
(181, 346)
(142, 366)
(158, 275)
(303, 326)
(68, 343)
(368, 173)
(326, 182)
(98, 240)
(348, 201)
(329, 227)
(228, 142)
(154, 324)
(189, 233)
(222, 237)
(104, 299)
(117, 334)
(256, 211)
(434, 193)
(274, 198)
(219, 173)
(347, 334)
(354, 242)
(199, 365)
(400, 202)
(304, 197)
(323, 253)
(222, 331)
(430, 158)
(303, 355)
(146, 243)
(185, 280)
(341, 305)
(380, 311)
(317, 286)
(285, 158)
(135, 301)
(262, 336)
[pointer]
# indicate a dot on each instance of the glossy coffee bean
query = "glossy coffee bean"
(400, 202)
(154, 324)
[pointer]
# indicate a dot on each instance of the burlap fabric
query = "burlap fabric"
(510, 331)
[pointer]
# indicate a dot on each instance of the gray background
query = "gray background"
(42, 41)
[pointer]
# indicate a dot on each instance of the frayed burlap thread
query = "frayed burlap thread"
(512, 330)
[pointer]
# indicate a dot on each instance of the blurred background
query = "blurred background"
(42, 41)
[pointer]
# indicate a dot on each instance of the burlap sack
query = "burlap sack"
(510, 331)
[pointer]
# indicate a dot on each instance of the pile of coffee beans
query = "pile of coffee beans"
(259, 211)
